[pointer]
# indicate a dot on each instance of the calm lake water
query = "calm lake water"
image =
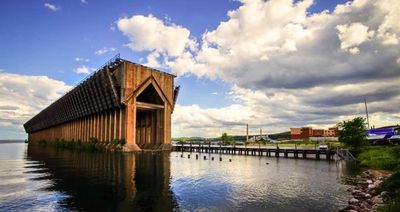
(47, 179)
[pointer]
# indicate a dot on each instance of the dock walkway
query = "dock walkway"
(297, 153)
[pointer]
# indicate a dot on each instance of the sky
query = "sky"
(273, 64)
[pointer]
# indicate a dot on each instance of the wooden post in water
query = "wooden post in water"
(328, 154)
(182, 147)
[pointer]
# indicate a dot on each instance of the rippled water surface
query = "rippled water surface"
(47, 179)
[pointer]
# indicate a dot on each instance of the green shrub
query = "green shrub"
(42, 143)
(117, 142)
(93, 145)
(122, 142)
(392, 186)
(393, 205)
(352, 132)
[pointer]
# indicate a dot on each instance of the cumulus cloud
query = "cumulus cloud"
(82, 70)
(287, 66)
(21, 97)
(152, 60)
(104, 50)
(289, 48)
(52, 7)
(192, 120)
(353, 35)
(148, 33)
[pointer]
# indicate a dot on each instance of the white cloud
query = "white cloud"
(152, 60)
(285, 48)
(277, 110)
(192, 120)
(104, 50)
(388, 30)
(20, 100)
(84, 1)
(82, 70)
(52, 7)
(352, 35)
(78, 59)
(148, 33)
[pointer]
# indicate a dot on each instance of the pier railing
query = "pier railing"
(285, 152)
(345, 154)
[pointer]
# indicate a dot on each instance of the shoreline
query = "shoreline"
(365, 193)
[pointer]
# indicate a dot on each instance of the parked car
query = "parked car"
(323, 146)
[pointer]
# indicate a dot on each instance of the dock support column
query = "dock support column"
(115, 136)
(328, 155)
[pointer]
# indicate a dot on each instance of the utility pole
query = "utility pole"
(247, 133)
(366, 111)
(259, 141)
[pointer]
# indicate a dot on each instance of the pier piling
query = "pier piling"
(261, 152)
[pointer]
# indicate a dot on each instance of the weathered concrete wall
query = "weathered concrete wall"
(105, 126)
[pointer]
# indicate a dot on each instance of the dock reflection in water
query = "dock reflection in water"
(107, 182)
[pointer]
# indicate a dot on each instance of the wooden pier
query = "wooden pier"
(296, 153)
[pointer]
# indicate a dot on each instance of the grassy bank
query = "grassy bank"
(385, 158)
(93, 145)
(380, 157)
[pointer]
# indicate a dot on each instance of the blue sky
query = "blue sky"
(56, 38)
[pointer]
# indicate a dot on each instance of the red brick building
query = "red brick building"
(307, 132)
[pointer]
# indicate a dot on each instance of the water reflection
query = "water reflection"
(47, 179)
(105, 182)
(251, 183)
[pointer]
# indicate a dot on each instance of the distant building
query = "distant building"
(307, 132)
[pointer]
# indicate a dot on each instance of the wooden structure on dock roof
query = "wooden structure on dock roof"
(122, 100)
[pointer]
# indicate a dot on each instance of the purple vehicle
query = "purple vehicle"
(389, 134)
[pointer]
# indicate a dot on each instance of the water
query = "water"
(47, 179)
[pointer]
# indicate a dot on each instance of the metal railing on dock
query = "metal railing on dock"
(345, 154)
(285, 152)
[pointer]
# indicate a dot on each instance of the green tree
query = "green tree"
(225, 138)
(182, 140)
(352, 132)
